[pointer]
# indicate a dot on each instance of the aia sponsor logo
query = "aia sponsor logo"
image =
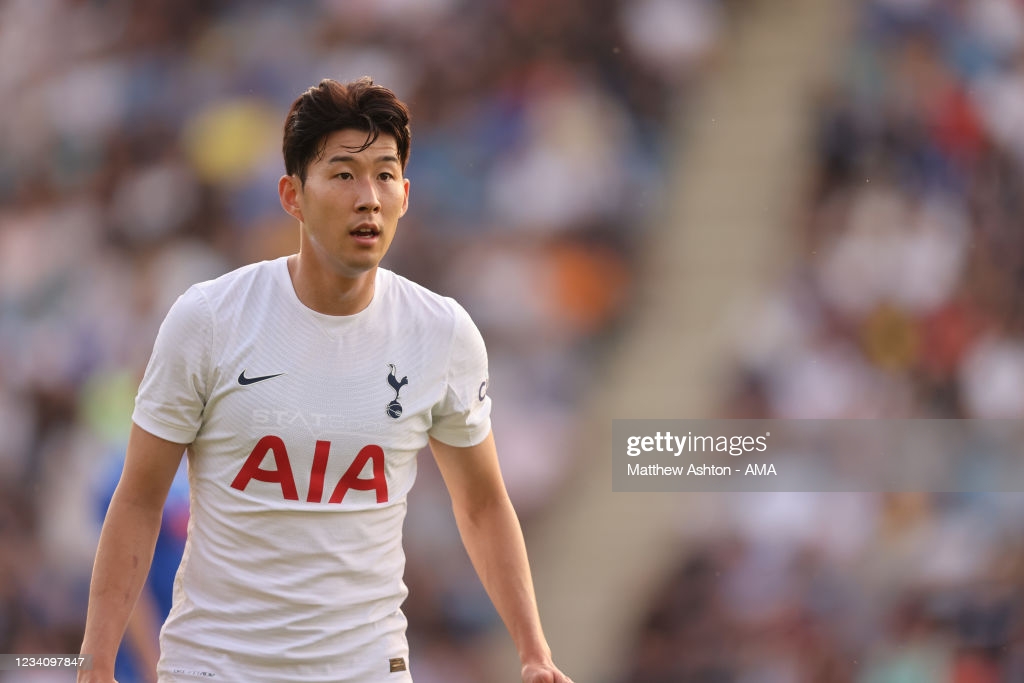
(284, 476)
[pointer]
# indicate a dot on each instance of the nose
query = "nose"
(367, 200)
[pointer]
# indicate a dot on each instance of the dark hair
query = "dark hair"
(330, 106)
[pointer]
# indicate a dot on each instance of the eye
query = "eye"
(386, 176)
(344, 175)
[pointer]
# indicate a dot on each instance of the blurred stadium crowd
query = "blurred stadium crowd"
(141, 149)
(140, 154)
(904, 303)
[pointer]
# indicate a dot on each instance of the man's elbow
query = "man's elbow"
(480, 506)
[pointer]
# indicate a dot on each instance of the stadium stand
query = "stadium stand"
(901, 300)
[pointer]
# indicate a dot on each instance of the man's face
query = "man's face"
(350, 203)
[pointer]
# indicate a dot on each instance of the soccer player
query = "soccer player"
(302, 389)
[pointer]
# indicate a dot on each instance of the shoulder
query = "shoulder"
(428, 315)
(415, 301)
(237, 283)
(206, 304)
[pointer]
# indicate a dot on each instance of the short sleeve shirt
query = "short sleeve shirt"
(304, 430)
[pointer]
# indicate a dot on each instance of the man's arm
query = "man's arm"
(142, 635)
(126, 546)
(494, 541)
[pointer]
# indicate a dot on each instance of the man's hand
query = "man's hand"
(544, 673)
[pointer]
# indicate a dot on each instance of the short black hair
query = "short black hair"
(330, 106)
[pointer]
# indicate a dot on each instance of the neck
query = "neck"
(328, 292)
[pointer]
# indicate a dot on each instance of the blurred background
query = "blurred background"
(652, 208)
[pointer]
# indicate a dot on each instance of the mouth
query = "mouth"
(367, 232)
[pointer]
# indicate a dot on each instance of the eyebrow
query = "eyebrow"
(339, 158)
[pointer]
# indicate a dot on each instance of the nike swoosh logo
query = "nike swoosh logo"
(246, 381)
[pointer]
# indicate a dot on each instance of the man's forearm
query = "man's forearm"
(123, 557)
(494, 541)
(142, 633)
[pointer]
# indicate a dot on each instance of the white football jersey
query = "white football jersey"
(304, 430)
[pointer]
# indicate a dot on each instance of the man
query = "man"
(303, 388)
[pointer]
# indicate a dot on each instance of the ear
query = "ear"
(289, 189)
(405, 199)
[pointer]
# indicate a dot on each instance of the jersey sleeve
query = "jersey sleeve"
(174, 389)
(463, 416)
